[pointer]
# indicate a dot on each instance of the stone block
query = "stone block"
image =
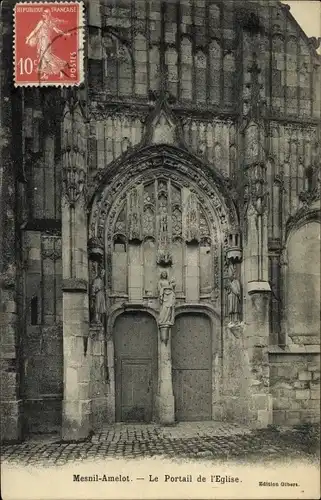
(281, 404)
(296, 405)
(301, 384)
(8, 351)
(261, 402)
(305, 375)
(309, 416)
(313, 366)
(98, 416)
(273, 373)
(316, 375)
(302, 394)
(281, 384)
(313, 404)
(304, 403)
(315, 394)
(306, 339)
(258, 341)
(83, 391)
(76, 420)
(286, 393)
(10, 306)
(292, 417)
(288, 371)
(279, 417)
(83, 373)
(73, 348)
(293, 414)
(97, 348)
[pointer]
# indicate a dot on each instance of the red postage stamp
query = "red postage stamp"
(48, 44)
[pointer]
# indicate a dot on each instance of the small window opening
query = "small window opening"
(34, 310)
(309, 179)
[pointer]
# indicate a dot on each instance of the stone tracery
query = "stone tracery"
(174, 206)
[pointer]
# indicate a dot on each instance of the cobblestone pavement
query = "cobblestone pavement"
(206, 440)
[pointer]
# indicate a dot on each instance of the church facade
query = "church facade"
(160, 224)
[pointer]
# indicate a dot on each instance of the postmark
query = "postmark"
(48, 44)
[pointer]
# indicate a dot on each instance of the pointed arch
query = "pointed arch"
(154, 159)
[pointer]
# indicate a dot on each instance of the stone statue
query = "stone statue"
(98, 297)
(163, 253)
(192, 219)
(234, 297)
(166, 289)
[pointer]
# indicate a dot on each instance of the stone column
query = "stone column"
(10, 416)
(76, 418)
(166, 318)
(166, 410)
(257, 287)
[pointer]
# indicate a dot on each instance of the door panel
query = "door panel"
(192, 394)
(136, 404)
(192, 373)
(135, 337)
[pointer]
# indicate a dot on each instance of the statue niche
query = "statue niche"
(234, 296)
(164, 256)
(134, 203)
(98, 300)
(166, 318)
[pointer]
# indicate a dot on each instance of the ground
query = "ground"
(212, 440)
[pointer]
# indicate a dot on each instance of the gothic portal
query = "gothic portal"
(158, 231)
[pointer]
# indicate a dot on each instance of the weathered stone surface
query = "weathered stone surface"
(218, 141)
(295, 387)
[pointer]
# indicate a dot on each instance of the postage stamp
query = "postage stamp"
(48, 44)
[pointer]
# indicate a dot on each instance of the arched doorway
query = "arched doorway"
(161, 210)
(302, 287)
(192, 367)
(135, 340)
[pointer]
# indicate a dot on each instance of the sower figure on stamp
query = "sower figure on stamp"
(42, 36)
(234, 296)
(98, 300)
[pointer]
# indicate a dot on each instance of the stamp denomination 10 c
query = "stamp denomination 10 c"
(48, 44)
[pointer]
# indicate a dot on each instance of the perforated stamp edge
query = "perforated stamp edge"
(81, 45)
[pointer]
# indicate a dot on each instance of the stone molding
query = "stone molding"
(300, 218)
(294, 349)
(151, 159)
(74, 285)
(258, 287)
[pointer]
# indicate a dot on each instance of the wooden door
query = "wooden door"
(137, 394)
(192, 374)
(135, 336)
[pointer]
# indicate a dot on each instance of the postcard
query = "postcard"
(160, 249)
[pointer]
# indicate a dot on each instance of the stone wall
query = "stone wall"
(99, 376)
(204, 48)
(295, 387)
